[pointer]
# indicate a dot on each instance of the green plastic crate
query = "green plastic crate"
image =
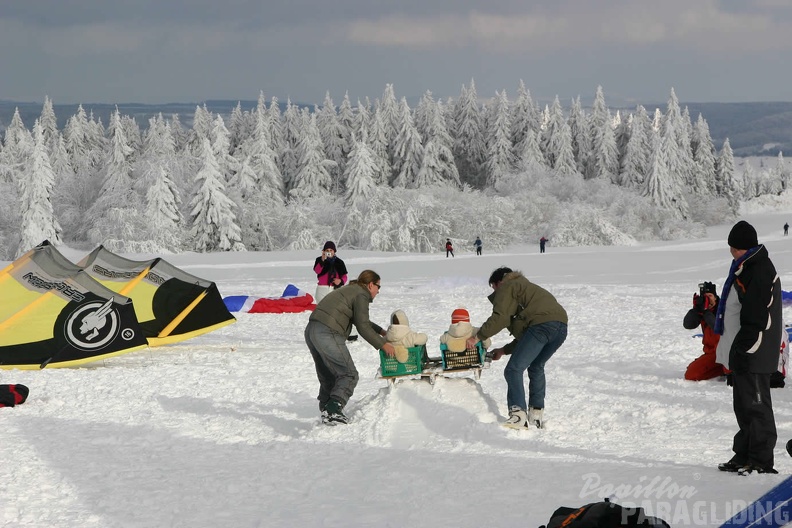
(416, 358)
(462, 360)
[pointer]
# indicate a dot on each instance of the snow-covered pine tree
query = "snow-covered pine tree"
(214, 225)
(389, 111)
(117, 191)
(751, 182)
(289, 157)
(499, 159)
(313, 177)
(781, 172)
(17, 148)
(220, 139)
(359, 175)
(38, 217)
(261, 157)
(703, 159)
(557, 141)
(378, 142)
(438, 163)
(469, 146)
(635, 163)
(201, 128)
(334, 139)
(680, 158)
(162, 211)
(724, 176)
(132, 133)
(561, 144)
(581, 140)
(603, 161)
(621, 133)
(524, 117)
(275, 124)
(49, 124)
(362, 119)
(531, 158)
(409, 150)
(236, 128)
(658, 185)
(180, 136)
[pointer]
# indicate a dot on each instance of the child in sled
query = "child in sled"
(459, 331)
(401, 336)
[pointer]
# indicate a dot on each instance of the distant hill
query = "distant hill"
(753, 129)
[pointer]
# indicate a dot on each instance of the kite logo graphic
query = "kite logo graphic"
(93, 325)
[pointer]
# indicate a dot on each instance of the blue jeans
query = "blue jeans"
(535, 347)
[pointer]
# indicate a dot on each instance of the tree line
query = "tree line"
(379, 176)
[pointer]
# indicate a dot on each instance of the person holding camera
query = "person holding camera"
(331, 272)
(705, 305)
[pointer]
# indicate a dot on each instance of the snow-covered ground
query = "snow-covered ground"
(223, 430)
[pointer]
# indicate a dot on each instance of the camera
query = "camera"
(328, 254)
(706, 287)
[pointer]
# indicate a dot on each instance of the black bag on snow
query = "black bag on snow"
(11, 395)
(603, 514)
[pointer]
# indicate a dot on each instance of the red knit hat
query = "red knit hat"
(459, 315)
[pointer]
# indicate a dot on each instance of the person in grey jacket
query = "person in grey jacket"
(539, 326)
(749, 321)
(326, 334)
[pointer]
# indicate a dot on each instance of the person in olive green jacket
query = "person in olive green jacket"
(539, 326)
(326, 334)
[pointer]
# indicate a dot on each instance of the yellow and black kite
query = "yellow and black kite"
(54, 314)
(171, 305)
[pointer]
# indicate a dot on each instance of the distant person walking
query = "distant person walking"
(542, 242)
(786, 228)
(477, 244)
(449, 248)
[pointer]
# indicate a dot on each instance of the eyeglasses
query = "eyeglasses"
(377, 285)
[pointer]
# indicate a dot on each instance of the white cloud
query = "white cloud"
(699, 25)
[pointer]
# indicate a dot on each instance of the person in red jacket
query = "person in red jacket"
(705, 305)
(449, 247)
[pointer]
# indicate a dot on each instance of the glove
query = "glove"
(730, 380)
(739, 362)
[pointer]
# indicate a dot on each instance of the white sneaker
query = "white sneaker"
(535, 417)
(518, 418)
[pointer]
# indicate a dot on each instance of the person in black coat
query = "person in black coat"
(749, 321)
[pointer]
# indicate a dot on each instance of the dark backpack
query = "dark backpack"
(603, 514)
(11, 395)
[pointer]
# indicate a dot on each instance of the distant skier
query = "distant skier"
(786, 228)
(542, 242)
(477, 244)
(449, 248)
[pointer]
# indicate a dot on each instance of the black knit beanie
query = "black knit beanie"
(743, 236)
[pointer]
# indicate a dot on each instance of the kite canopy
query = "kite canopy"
(292, 300)
(54, 314)
(171, 304)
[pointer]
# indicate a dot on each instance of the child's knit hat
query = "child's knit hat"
(459, 315)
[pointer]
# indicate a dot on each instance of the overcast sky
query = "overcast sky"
(156, 51)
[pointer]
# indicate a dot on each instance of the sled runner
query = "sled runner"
(420, 365)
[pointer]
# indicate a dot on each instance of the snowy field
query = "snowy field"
(223, 430)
